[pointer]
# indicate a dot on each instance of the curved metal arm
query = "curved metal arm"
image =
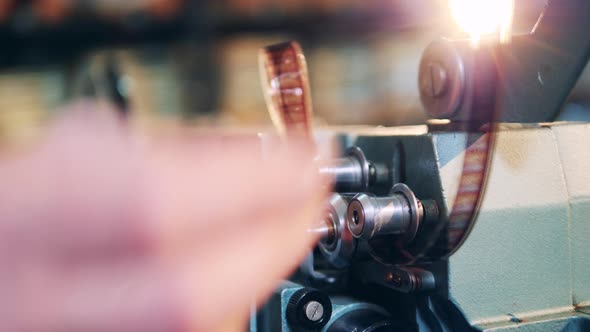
(538, 71)
(528, 80)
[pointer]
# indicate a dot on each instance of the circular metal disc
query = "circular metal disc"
(441, 79)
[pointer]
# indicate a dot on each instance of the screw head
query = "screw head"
(314, 311)
(309, 309)
(441, 79)
(434, 80)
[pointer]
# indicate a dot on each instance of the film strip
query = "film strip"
(477, 118)
(285, 84)
(472, 185)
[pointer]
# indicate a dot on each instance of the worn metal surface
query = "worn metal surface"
(516, 259)
(539, 70)
(572, 140)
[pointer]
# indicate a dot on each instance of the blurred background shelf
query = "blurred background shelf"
(197, 60)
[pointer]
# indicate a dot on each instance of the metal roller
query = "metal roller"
(400, 213)
(337, 244)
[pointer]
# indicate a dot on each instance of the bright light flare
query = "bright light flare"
(484, 17)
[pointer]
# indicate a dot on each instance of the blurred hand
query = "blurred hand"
(106, 229)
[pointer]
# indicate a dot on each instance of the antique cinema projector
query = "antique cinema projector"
(479, 220)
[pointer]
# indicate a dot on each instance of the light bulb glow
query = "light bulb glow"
(484, 17)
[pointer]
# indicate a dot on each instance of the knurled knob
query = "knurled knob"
(309, 310)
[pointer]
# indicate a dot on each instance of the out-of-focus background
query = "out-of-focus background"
(197, 60)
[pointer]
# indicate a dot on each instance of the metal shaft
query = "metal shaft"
(351, 173)
(400, 213)
(337, 244)
(347, 174)
(354, 173)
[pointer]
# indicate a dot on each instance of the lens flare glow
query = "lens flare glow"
(484, 17)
